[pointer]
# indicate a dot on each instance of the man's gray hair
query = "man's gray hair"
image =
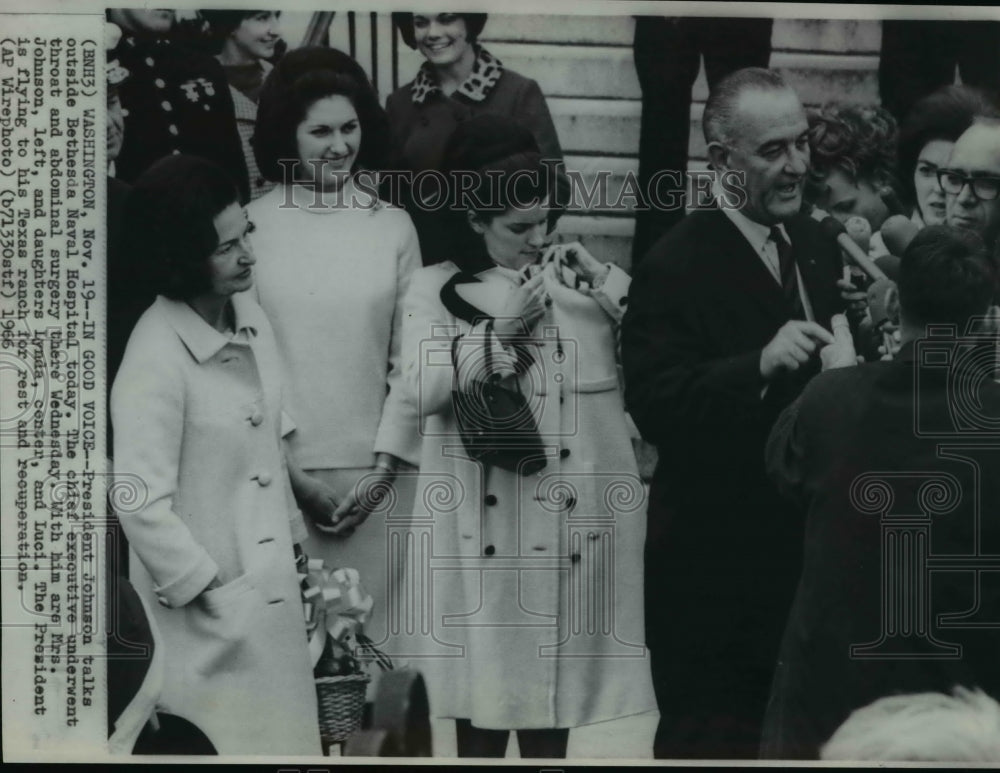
(931, 727)
(717, 121)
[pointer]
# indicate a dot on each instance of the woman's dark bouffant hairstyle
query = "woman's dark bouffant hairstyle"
(495, 148)
(222, 23)
(942, 115)
(474, 23)
(858, 139)
(302, 77)
(170, 225)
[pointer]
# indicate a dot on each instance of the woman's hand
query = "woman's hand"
(317, 500)
(523, 309)
(575, 257)
(365, 497)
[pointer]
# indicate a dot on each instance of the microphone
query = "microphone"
(883, 302)
(892, 202)
(860, 230)
(897, 233)
(835, 230)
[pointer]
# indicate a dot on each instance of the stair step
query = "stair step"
(831, 35)
(608, 238)
(580, 30)
(605, 72)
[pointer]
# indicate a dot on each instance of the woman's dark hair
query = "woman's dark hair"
(942, 115)
(303, 76)
(502, 160)
(860, 140)
(474, 23)
(169, 223)
(222, 23)
(946, 276)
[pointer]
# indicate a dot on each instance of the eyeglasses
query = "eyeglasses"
(984, 188)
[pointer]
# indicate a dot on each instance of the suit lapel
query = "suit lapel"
(746, 272)
(816, 274)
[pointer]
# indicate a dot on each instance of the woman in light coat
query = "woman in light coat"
(198, 423)
(536, 616)
(334, 265)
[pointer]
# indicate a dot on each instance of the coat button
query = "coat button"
(592, 535)
(160, 83)
(163, 601)
(490, 500)
(149, 61)
(563, 453)
(263, 479)
(257, 418)
(575, 558)
(165, 104)
(489, 550)
(571, 503)
(172, 129)
(623, 301)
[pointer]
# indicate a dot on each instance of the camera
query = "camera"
(966, 362)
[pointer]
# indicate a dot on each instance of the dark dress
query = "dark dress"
(422, 118)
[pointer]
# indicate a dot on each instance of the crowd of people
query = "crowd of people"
(291, 351)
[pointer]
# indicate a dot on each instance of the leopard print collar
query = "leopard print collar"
(486, 71)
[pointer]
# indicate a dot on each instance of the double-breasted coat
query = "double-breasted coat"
(198, 425)
(535, 595)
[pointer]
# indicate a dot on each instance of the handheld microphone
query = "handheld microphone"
(892, 202)
(897, 233)
(835, 230)
(860, 230)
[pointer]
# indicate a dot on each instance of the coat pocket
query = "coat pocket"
(222, 620)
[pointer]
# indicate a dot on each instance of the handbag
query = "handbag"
(495, 422)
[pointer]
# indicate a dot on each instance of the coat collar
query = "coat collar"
(755, 233)
(486, 72)
(200, 338)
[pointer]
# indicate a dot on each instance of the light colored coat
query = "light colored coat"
(198, 424)
(536, 602)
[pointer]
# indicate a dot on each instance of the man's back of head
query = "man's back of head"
(946, 276)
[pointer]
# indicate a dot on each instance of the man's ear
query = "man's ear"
(993, 319)
(475, 221)
(718, 156)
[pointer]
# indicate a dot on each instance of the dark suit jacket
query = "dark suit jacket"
(852, 422)
(177, 101)
(702, 306)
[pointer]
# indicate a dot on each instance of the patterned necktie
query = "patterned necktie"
(789, 279)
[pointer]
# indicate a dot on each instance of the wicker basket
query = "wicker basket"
(341, 702)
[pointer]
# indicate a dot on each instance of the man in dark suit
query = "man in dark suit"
(725, 316)
(898, 465)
